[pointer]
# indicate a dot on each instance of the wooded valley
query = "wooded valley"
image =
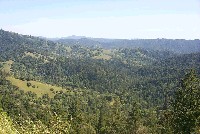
(99, 86)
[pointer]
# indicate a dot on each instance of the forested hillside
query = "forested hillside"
(99, 86)
(174, 45)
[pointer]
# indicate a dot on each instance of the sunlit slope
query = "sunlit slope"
(36, 87)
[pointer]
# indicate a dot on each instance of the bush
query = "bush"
(51, 89)
(28, 84)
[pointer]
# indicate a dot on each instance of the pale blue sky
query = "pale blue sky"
(103, 18)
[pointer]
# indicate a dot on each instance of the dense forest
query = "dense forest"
(174, 45)
(99, 86)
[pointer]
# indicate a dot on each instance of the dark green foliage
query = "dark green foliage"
(133, 119)
(127, 94)
(186, 105)
(28, 84)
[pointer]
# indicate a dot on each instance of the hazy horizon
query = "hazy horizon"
(113, 19)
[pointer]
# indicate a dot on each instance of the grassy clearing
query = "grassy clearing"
(36, 87)
(68, 49)
(32, 55)
(107, 51)
(7, 66)
(105, 57)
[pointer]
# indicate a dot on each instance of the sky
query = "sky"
(123, 19)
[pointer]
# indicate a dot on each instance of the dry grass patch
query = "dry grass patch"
(105, 57)
(107, 51)
(68, 49)
(36, 87)
(32, 55)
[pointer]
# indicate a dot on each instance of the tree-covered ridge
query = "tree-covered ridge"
(96, 90)
(15, 46)
(174, 45)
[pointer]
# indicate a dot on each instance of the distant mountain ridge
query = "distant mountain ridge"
(174, 45)
(180, 46)
(68, 37)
